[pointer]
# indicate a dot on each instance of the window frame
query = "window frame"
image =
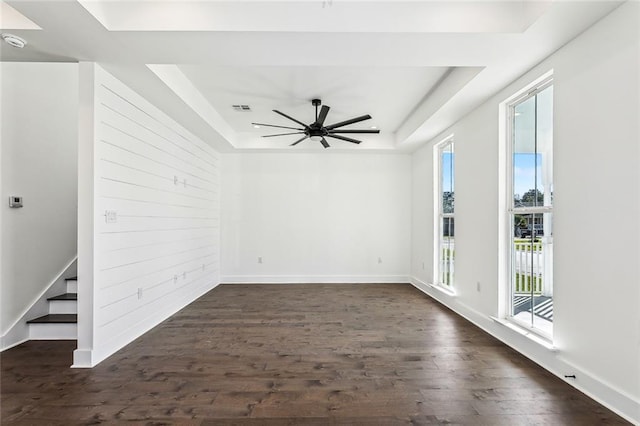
(439, 214)
(531, 90)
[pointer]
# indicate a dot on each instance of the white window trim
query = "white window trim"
(437, 212)
(506, 208)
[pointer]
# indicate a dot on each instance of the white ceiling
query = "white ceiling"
(415, 66)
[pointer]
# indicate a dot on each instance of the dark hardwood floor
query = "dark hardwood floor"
(360, 354)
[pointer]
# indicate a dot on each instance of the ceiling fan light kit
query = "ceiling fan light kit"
(317, 131)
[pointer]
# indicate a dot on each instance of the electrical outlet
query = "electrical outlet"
(110, 216)
(478, 286)
(259, 259)
(175, 279)
(379, 260)
(139, 293)
(15, 202)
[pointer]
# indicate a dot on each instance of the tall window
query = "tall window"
(445, 224)
(531, 209)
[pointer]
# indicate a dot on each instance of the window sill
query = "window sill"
(536, 338)
(446, 290)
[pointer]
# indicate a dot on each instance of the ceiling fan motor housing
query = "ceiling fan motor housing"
(314, 130)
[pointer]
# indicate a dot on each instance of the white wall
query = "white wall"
(596, 212)
(161, 252)
(39, 162)
(324, 217)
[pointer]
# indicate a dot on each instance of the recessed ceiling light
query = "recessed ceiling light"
(13, 40)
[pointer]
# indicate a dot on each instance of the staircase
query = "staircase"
(61, 323)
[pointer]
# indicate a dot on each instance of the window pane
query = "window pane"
(446, 199)
(531, 270)
(532, 151)
(447, 161)
(447, 251)
(545, 144)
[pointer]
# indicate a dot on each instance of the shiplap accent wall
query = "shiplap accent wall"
(155, 218)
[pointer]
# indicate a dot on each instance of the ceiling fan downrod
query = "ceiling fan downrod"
(316, 103)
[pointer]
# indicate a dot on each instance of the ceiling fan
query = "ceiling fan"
(317, 131)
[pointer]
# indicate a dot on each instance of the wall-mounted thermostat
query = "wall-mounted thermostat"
(15, 202)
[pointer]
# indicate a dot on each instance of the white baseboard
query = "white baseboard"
(88, 358)
(82, 359)
(551, 360)
(16, 335)
(313, 279)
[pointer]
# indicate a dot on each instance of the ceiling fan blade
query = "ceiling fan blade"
(355, 131)
(273, 125)
(291, 118)
(344, 138)
(323, 114)
(299, 140)
(283, 134)
(347, 122)
(324, 143)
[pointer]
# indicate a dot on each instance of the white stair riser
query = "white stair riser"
(72, 286)
(66, 331)
(63, 306)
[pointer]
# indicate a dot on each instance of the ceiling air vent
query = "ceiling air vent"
(241, 108)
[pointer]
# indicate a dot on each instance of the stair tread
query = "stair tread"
(55, 319)
(72, 279)
(66, 296)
